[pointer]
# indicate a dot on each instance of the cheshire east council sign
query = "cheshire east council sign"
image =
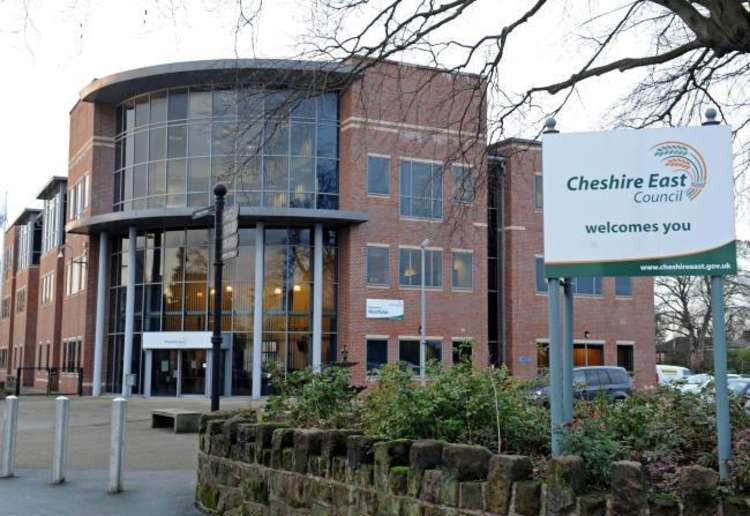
(651, 202)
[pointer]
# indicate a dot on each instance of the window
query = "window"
(623, 286)
(461, 351)
(71, 355)
(3, 358)
(421, 186)
(75, 275)
(20, 300)
(378, 266)
(78, 197)
(538, 191)
(408, 353)
(462, 270)
(410, 268)
(7, 261)
(377, 354)
(463, 184)
(589, 286)
(5, 310)
(51, 225)
(47, 288)
(542, 358)
(625, 357)
(378, 175)
(541, 281)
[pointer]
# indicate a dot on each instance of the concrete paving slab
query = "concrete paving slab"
(162, 493)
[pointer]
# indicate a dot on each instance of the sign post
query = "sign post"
(219, 191)
(652, 202)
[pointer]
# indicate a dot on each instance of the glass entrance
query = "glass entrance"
(164, 372)
(193, 374)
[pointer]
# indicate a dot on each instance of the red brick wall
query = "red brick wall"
(607, 318)
(403, 112)
(8, 289)
(91, 152)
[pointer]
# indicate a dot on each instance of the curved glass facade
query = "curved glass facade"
(271, 148)
(174, 280)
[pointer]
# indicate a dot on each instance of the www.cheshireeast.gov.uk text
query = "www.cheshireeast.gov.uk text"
(663, 228)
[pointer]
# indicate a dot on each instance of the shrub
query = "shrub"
(306, 399)
(664, 429)
(458, 404)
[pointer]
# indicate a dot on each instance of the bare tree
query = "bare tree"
(684, 308)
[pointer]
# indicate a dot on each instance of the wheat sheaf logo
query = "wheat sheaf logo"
(684, 158)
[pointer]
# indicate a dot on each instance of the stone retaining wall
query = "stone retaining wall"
(247, 468)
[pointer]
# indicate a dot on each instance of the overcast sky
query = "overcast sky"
(49, 56)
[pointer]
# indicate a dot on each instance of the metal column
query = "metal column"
(101, 304)
(317, 358)
(127, 358)
(723, 425)
(148, 369)
(258, 312)
(567, 350)
(555, 363)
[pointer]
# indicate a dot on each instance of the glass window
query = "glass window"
(589, 285)
(281, 159)
(625, 357)
(176, 141)
(141, 111)
(408, 353)
(224, 103)
(198, 175)
(377, 354)
(541, 281)
(200, 103)
(378, 266)
(303, 139)
(421, 186)
(157, 148)
(178, 104)
(199, 140)
(623, 286)
(538, 191)
(158, 107)
(410, 268)
(461, 351)
(463, 184)
(462, 270)
(378, 175)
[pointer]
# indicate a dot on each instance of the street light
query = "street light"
(423, 319)
(61, 254)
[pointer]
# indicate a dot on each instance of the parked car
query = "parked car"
(590, 381)
(667, 374)
(741, 388)
(701, 382)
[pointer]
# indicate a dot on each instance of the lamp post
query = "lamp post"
(423, 318)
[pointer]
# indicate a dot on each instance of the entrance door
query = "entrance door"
(193, 377)
(164, 372)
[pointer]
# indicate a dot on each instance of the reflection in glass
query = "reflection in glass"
(249, 141)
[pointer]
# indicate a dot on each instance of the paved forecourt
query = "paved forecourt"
(159, 464)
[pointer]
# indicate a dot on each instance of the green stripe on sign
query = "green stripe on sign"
(715, 262)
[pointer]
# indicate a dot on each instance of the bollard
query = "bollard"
(60, 451)
(8, 462)
(116, 452)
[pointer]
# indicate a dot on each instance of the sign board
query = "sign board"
(230, 229)
(392, 309)
(231, 220)
(651, 202)
(176, 340)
